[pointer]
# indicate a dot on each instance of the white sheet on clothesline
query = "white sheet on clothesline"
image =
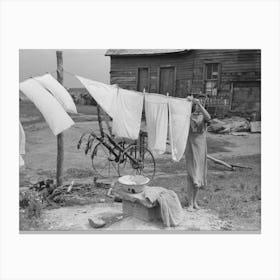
(54, 114)
(103, 94)
(58, 91)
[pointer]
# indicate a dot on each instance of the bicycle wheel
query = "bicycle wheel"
(103, 162)
(143, 162)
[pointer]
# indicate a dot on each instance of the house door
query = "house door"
(167, 79)
(143, 79)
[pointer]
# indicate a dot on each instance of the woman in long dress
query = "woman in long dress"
(196, 152)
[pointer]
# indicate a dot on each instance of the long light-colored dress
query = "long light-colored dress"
(196, 150)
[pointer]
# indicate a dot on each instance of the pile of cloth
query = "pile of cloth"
(166, 117)
(227, 125)
(170, 207)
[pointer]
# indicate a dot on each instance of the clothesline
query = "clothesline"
(139, 92)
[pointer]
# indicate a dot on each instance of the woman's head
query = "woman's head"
(194, 107)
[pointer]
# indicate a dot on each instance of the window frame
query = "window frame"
(218, 79)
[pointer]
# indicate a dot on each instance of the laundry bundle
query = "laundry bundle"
(53, 112)
(170, 207)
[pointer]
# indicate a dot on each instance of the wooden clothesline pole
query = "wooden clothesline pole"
(60, 136)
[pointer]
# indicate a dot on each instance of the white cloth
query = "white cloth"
(21, 161)
(103, 94)
(127, 114)
(54, 114)
(170, 206)
(58, 91)
(21, 144)
(21, 140)
(156, 110)
(179, 123)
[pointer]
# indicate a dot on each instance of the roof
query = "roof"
(132, 52)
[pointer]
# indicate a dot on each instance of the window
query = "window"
(212, 76)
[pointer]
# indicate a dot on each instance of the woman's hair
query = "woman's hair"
(193, 108)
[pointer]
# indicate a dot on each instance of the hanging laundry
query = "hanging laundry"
(54, 114)
(21, 161)
(127, 113)
(103, 94)
(179, 123)
(21, 144)
(58, 91)
(156, 109)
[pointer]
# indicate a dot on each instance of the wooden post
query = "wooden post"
(60, 136)
(100, 120)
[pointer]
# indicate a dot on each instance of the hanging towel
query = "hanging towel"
(21, 144)
(58, 91)
(54, 114)
(127, 114)
(156, 110)
(170, 206)
(179, 123)
(103, 94)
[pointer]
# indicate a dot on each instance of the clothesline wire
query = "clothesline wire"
(139, 92)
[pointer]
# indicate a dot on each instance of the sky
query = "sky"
(90, 64)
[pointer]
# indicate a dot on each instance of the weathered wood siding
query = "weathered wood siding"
(124, 70)
(237, 66)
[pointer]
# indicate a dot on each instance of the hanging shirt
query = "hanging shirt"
(103, 94)
(179, 124)
(21, 144)
(54, 114)
(156, 110)
(127, 113)
(58, 91)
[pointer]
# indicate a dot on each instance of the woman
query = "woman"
(196, 152)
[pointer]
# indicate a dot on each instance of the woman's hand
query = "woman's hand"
(194, 100)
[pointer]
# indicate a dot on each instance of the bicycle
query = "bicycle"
(111, 157)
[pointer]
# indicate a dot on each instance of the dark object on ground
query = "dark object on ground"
(97, 223)
(117, 199)
(228, 165)
(47, 183)
(31, 203)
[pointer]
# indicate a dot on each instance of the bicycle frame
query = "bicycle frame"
(115, 146)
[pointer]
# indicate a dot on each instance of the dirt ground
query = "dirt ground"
(231, 201)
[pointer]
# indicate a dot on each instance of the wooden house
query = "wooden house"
(230, 77)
